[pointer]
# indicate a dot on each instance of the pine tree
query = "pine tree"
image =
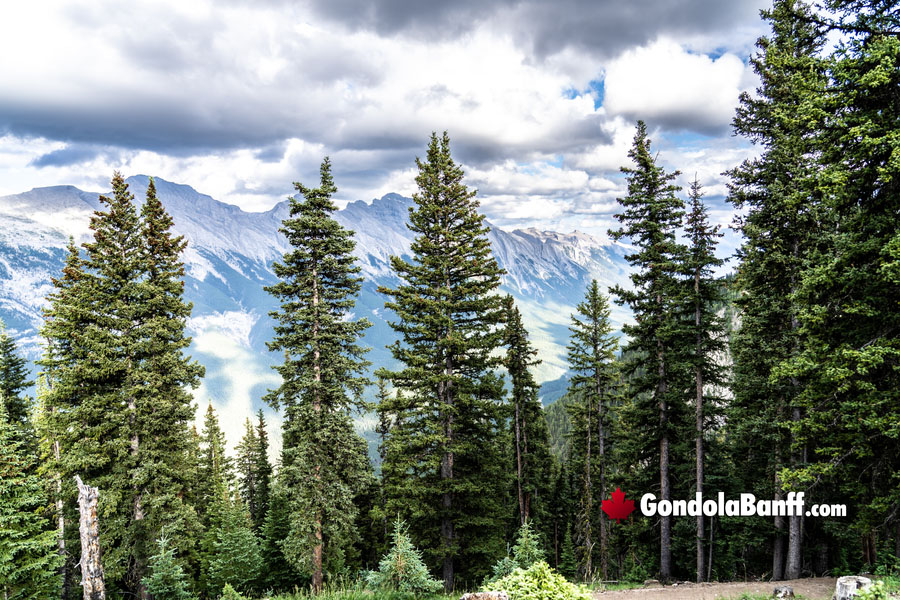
(65, 320)
(263, 473)
(216, 468)
(167, 578)
(279, 575)
(13, 380)
(651, 213)
(116, 407)
(235, 557)
(592, 354)
(162, 405)
(28, 551)
(324, 461)
(776, 192)
(527, 550)
(848, 319)
(446, 440)
(531, 445)
(708, 332)
(246, 464)
(402, 568)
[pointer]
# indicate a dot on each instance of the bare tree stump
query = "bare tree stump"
(847, 587)
(91, 568)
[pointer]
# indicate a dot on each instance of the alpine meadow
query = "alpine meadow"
(424, 427)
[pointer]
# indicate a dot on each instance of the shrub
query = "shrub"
(876, 591)
(402, 568)
(538, 582)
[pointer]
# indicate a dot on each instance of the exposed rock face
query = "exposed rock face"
(783, 591)
(848, 586)
(486, 596)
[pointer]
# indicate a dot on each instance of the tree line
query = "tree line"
(782, 377)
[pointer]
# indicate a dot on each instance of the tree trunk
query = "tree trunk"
(89, 530)
(698, 376)
(317, 575)
(522, 514)
(588, 503)
(137, 506)
(712, 522)
(778, 554)
(795, 533)
(61, 529)
(601, 453)
(665, 492)
(448, 531)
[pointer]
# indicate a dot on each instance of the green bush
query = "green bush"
(229, 593)
(876, 591)
(538, 582)
(402, 568)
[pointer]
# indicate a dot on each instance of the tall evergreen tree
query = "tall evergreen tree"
(651, 214)
(65, 320)
(324, 461)
(704, 297)
(246, 466)
(448, 315)
(160, 436)
(263, 473)
(116, 409)
(592, 354)
(848, 317)
(531, 444)
(28, 552)
(776, 191)
(13, 380)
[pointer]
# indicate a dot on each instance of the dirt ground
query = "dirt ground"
(818, 588)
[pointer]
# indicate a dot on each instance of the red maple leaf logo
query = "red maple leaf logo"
(618, 507)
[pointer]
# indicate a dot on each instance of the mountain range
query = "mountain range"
(229, 259)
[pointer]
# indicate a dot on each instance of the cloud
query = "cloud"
(666, 85)
(602, 28)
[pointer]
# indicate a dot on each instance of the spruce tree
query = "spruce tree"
(246, 466)
(116, 407)
(166, 578)
(444, 447)
(13, 380)
(651, 214)
(704, 297)
(531, 445)
(28, 550)
(324, 460)
(263, 473)
(235, 557)
(279, 575)
(848, 318)
(592, 353)
(776, 192)
(65, 320)
(163, 408)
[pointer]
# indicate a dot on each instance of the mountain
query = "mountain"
(229, 258)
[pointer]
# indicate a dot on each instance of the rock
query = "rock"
(485, 596)
(847, 587)
(649, 582)
(783, 591)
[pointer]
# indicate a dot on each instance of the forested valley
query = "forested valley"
(782, 377)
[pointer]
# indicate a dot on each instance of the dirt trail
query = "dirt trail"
(818, 588)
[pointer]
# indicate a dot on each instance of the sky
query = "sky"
(240, 99)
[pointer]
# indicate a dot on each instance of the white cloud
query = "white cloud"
(664, 83)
